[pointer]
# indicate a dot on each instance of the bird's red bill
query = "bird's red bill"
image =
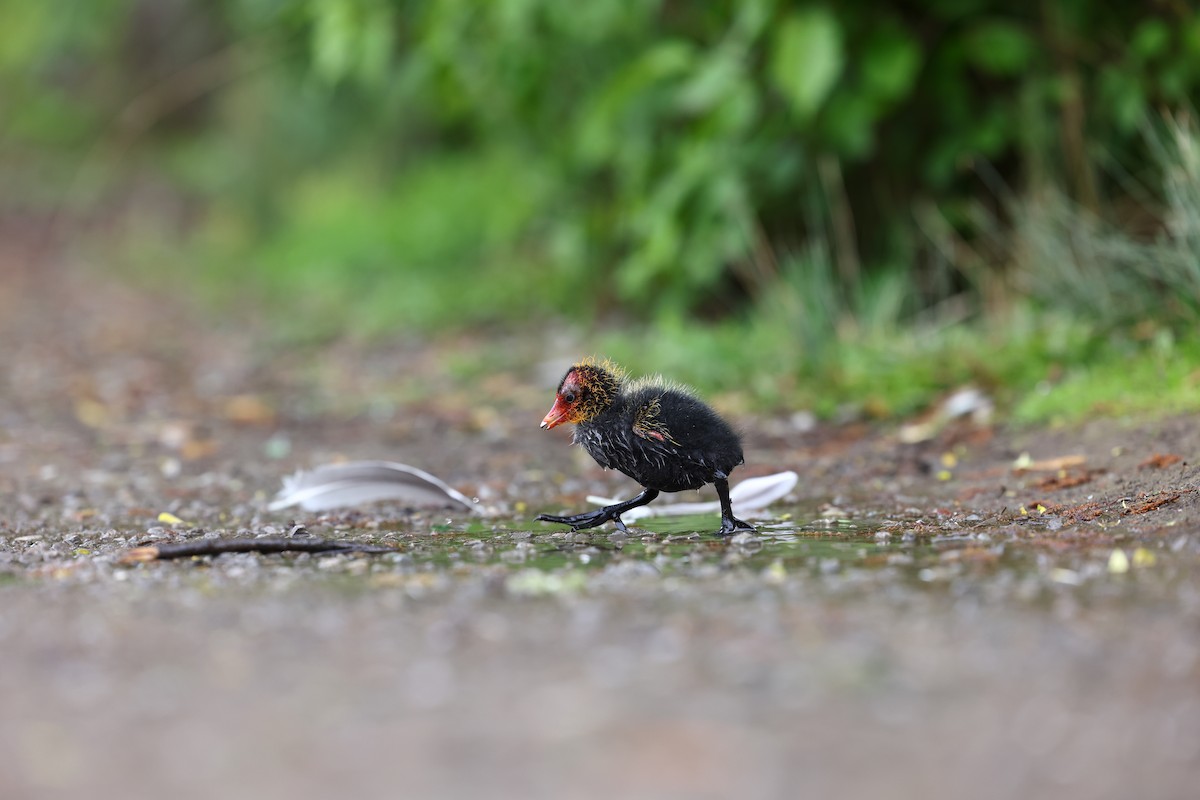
(557, 415)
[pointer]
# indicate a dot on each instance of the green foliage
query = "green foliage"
(806, 59)
(1117, 376)
(352, 39)
(432, 252)
(832, 180)
(1038, 368)
(1000, 48)
(47, 60)
(673, 142)
(1093, 268)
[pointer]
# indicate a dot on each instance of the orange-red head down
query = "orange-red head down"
(585, 391)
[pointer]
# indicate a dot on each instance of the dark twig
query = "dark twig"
(266, 544)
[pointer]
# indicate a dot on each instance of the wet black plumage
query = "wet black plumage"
(662, 436)
(694, 447)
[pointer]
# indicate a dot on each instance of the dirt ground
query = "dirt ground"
(981, 613)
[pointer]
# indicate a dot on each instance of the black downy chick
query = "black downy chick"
(661, 435)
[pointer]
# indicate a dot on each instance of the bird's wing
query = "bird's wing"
(660, 453)
(648, 425)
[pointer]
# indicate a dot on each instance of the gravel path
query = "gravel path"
(983, 613)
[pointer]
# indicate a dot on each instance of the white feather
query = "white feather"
(354, 483)
(752, 494)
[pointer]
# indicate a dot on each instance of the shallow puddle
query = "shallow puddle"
(871, 551)
(858, 549)
(795, 542)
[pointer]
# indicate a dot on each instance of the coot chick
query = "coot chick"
(659, 434)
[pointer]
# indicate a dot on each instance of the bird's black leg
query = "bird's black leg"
(590, 519)
(729, 523)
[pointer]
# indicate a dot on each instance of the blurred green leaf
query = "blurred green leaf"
(806, 59)
(26, 26)
(1191, 36)
(351, 39)
(1150, 39)
(1123, 97)
(992, 131)
(1000, 47)
(848, 122)
(714, 79)
(890, 62)
(605, 120)
(335, 32)
(752, 17)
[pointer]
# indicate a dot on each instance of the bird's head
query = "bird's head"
(587, 389)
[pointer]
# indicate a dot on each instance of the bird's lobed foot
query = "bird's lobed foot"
(589, 519)
(732, 525)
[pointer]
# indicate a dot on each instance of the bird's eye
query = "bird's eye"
(568, 397)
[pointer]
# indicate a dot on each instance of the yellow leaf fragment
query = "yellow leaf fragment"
(775, 573)
(170, 519)
(1143, 557)
(1118, 562)
(92, 413)
(249, 409)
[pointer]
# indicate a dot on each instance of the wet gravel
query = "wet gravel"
(931, 619)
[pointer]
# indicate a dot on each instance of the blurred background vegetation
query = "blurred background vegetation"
(848, 207)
